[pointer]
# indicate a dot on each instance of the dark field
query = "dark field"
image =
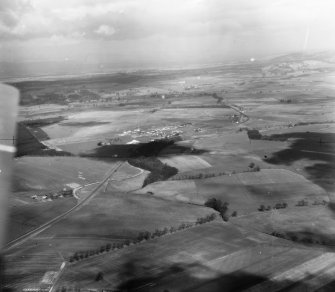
(26, 142)
(24, 218)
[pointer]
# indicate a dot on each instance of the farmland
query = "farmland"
(38, 173)
(185, 163)
(244, 191)
(146, 152)
(115, 215)
(194, 259)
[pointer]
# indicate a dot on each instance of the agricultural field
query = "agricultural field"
(204, 258)
(25, 267)
(308, 224)
(245, 191)
(115, 215)
(261, 145)
(186, 162)
(26, 217)
(37, 176)
(47, 173)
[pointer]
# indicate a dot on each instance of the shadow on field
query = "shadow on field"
(307, 237)
(313, 146)
(28, 144)
(178, 276)
(154, 148)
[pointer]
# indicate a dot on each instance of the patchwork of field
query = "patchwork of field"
(33, 175)
(245, 192)
(116, 215)
(210, 112)
(209, 257)
(224, 163)
(112, 123)
(309, 224)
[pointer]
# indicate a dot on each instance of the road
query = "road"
(41, 228)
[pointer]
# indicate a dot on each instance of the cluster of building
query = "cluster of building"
(66, 191)
(111, 141)
(164, 132)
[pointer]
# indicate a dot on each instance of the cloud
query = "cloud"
(12, 10)
(126, 19)
(159, 28)
(105, 30)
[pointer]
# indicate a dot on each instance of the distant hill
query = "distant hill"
(297, 64)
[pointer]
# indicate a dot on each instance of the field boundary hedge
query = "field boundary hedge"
(142, 236)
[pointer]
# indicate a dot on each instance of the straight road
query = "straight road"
(30, 234)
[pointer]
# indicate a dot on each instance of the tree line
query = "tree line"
(142, 236)
(184, 176)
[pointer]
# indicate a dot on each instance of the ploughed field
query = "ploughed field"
(208, 114)
(209, 257)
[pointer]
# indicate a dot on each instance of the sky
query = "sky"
(158, 32)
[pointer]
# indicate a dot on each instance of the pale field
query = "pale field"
(40, 110)
(185, 162)
(47, 173)
(130, 184)
(115, 122)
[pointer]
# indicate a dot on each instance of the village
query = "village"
(167, 132)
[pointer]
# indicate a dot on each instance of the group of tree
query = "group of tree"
(152, 148)
(219, 206)
(198, 175)
(158, 170)
(142, 236)
(294, 237)
(254, 134)
(253, 167)
(317, 202)
(184, 176)
(277, 206)
(285, 100)
(303, 203)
